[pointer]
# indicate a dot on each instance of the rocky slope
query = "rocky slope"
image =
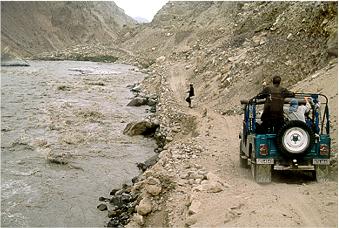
(29, 28)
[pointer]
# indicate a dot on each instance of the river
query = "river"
(62, 145)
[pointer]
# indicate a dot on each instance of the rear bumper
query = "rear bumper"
(293, 167)
(302, 165)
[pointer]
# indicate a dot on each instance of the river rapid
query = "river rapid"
(62, 145)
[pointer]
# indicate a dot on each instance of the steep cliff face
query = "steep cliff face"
(33, 27)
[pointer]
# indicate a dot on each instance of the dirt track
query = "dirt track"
(292, 199)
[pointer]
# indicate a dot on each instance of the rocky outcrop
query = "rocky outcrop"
(144, 127)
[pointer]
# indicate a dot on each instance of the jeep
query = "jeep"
(297, 145)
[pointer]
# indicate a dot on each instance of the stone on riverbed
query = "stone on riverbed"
(138, 101)
(102, 207)
(141, 128)
(148, 163)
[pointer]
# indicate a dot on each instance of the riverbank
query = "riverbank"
(198, 180)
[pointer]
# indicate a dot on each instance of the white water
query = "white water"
(70, 110)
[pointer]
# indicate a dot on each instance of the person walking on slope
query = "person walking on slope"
(190, 94)
(273, 115)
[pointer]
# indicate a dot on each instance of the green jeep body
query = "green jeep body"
(297, 146)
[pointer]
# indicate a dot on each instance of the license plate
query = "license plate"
(321, 161)
(265, 161)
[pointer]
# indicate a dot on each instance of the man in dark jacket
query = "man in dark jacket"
(190, 94)
(273, 115)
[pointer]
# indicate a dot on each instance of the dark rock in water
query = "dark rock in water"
(141, 166)
(148, 163)
(136, 88)
(126, 198)
(153, 109)
(123, 206)
(114, 222)
(158, 150)
(124, 218)
(151, 161)
(151, 102)
(135, 179)
(112, 193)
(146, 128)
(112, 213)
(137, 101)
(103, 198)
(102, 207)
(125, 186)
(131, 209)
(116, 201)
(160, 138)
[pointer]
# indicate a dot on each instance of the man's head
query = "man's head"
(293, 105)
(191, 84)
(276, 80)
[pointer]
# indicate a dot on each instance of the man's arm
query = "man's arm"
(264, 93)
(287, 93)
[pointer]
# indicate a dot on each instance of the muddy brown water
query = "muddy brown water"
(62, 145)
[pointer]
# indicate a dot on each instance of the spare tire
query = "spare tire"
(295, 138)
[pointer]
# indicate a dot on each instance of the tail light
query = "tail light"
(324, 150)
(263, 149)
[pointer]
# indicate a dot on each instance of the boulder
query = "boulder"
(148, 163)
(141, 128)
(214, 187)
(145, 206)
(210, 187)
(137, 101)
(153, 189)
(114, 222)
(102, 207)
(116, 201)
(151, 102)
(153, 186)
(136, 88)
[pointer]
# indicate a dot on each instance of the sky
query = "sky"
(141, 8)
